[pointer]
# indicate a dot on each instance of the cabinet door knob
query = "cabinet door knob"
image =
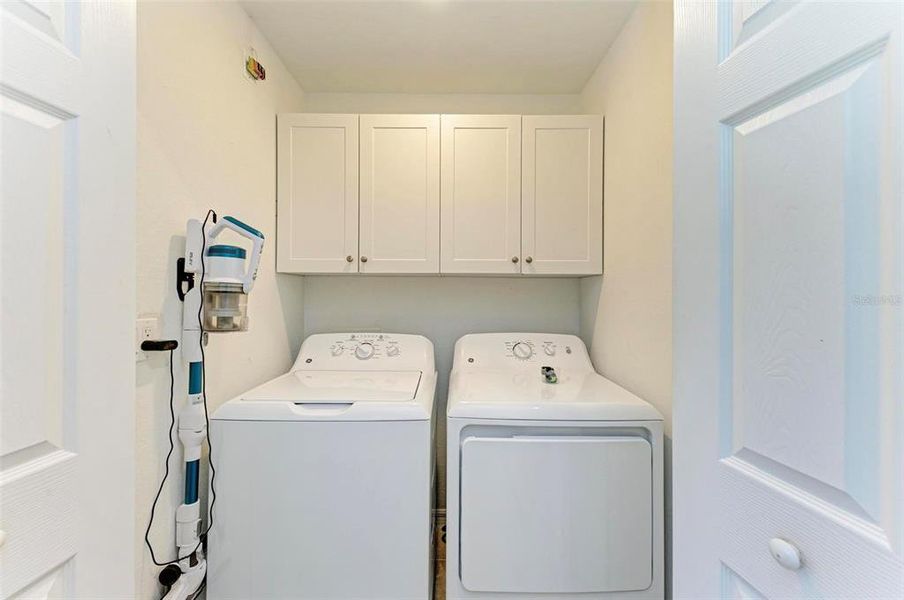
(514, 259)
(529, 259)
(349, 258)
(363, 259)
(785, 553)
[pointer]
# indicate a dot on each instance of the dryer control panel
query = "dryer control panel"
(365, 351)
(515, 350)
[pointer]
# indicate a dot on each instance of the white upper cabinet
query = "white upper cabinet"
(481, 194)
(399, 223)
(317, 191)
(508, 195)
(562, 195)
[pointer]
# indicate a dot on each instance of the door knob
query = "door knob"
(363, 259)
(529, 259)
(785, 553)
(514, 259)
(349, 258)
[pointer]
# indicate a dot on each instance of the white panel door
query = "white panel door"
(67, 277)
(399, 224)
(788, 299)
(562, 195)
(481, 194)
(317, 181)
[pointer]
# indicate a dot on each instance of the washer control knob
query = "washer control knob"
(337, 349)
(522, 350)
(549, 349)
(392, 351)
(364, 350)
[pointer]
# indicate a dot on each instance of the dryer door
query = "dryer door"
(556, 514)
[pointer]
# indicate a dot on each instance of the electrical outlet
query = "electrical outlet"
(147, 327)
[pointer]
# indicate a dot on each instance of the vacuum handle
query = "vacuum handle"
(257, 241)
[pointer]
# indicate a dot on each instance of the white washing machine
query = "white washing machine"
(324, 476)
(555, 485)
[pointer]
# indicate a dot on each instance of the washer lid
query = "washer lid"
(336, 396)
(339, 387)
(524, 395)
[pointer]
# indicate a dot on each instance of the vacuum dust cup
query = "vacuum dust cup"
(225, 307)
(225, 301)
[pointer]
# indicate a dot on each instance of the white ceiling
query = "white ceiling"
(441, 46)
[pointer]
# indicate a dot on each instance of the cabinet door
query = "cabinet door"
(562, 195)
(481, 194)
(317, 181)
(399, 194)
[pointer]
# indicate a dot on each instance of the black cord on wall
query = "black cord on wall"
(213, 471)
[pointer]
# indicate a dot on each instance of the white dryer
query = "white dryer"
(555, 486)
(324, 476)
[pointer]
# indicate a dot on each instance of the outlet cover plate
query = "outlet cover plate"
(147, 327)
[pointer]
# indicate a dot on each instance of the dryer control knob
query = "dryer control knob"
(392, 351)
(522, 350)
(549, 349)
(364, 350)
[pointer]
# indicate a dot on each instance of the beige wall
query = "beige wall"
(539, 104)
(206, 138)
(626, 314)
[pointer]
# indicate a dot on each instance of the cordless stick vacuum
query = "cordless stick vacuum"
(217, 304)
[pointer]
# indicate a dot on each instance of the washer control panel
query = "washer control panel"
(367, 346)
(509, 350)
(365, 351)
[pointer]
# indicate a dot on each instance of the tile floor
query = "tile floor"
(439, 583)
(439, 555)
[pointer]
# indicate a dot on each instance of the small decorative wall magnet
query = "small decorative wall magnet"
(255, 69)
